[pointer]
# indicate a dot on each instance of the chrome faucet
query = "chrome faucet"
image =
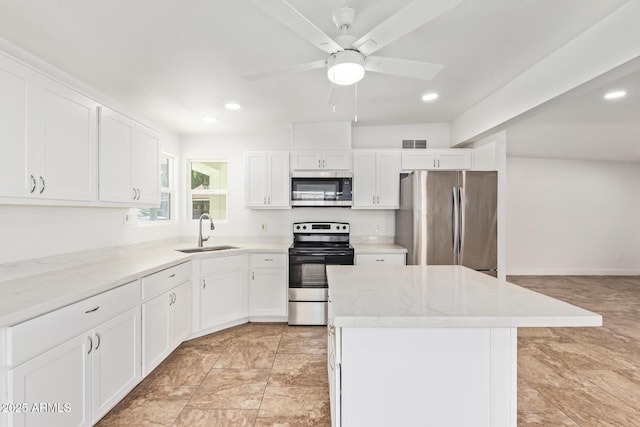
(200, 238)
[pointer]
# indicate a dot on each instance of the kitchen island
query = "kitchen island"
(430, 345)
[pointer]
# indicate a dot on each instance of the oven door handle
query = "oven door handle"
(318, 254)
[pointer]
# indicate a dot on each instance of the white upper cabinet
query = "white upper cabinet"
(146, 162)
(13, 129)
(451, 159)
(267, 177)
(129, 161)
(48, 132)
(376, 179)
(318, 160)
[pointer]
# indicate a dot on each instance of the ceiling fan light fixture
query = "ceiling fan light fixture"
(345, 67)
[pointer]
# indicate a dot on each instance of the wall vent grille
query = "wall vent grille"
(414, 144)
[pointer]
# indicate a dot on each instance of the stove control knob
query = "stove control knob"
(337, 227)
(304, 227)
(297, 227)
(344, 227)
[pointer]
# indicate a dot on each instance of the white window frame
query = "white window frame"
(191, 192)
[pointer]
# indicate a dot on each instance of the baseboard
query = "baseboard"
(571, 272)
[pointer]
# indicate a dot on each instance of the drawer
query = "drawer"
(381, 259)
(34, 336)
(160, 282)
(268, 260)
(223, 264)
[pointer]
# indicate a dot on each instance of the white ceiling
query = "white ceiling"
(178, 61)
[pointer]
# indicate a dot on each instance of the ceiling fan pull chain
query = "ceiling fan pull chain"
(355, 91)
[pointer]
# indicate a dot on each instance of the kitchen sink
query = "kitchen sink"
(208, 249)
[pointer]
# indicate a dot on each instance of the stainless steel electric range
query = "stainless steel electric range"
(315, 245)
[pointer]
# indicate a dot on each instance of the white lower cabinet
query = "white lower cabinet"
(165, 324)
(387, 259)
(223, 291)
(75, 383)
(268, 287)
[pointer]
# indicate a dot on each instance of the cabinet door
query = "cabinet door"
(223, 298)
(116, 360)
(279, 180)
(155, 331)
(306, 160)
(15, 181)
(388, 180)
(364, 179)
(60, 376)
(336, 160)
(419, 160)
(69, 156)
(180, 317)
(116, 147)
(455, 160)
(256, 170)
(146, 166)
(268, 292)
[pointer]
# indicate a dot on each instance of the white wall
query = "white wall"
(572, 217)
(245, 222)
(391, 136)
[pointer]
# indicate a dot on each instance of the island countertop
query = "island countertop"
(442, 296)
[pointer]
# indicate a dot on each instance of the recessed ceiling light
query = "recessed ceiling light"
(616, 94)
(232, 106)
(209, 119)
(430, 97)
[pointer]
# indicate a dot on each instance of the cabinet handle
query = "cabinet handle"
(98, 338)
(175, 297)
(253, 275)
(92, 310)
(172, 275)
(268, 259)
(90, 345)
(134, 194)
(170, 300)
(33, 183)
(42, 183)
(319, 164)
(139, 194)
(264, 201)
(204, 284)
(269, 200)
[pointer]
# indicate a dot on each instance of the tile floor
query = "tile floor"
(275, 375)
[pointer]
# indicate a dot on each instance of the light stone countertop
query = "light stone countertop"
(33, 295)
(441, 296)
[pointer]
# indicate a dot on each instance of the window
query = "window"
(163, 213)
(209, 189)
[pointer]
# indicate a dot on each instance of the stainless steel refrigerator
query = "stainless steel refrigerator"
(449, 217)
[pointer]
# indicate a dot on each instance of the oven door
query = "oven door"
(307, 270)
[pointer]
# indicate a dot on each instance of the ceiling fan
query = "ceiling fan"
(349, 57)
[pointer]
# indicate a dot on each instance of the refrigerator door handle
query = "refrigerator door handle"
(462, 221)
(456, 224)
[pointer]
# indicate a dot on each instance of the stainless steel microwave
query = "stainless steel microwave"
(321, 189)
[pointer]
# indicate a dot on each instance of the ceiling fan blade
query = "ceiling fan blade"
(402, 67)
(407, 19)
(287, 70)
(290, 17)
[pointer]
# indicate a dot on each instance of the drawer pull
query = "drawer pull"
(92, 310)
(172, 275)
(98, 338)
(90, 345)
(380, 260)
(268, 259)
